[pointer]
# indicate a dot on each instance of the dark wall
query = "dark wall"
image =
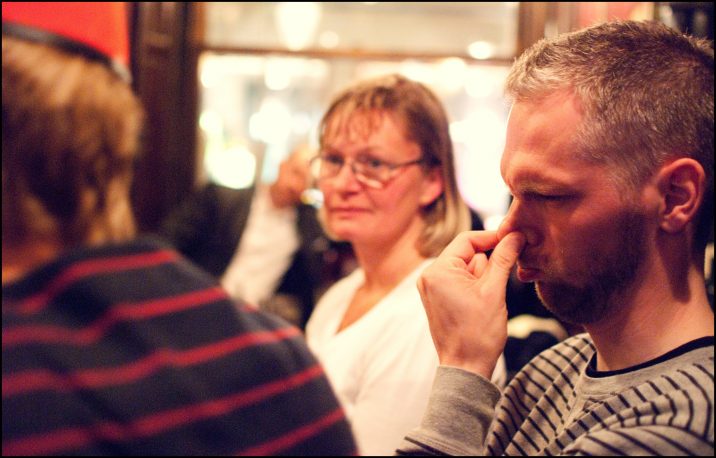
(164, 66)
(695, 18)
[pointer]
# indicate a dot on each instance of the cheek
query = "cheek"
(581, 242)
(399, 202)
(325, 188)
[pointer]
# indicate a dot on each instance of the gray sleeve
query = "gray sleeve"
(458, 416)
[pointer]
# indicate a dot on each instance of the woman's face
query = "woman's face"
(362, 212)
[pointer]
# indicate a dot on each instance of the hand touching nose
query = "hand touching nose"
(463, 293)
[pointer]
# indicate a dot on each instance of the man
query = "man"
(609, 156)
(111, 344)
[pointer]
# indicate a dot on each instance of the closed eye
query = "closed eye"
(539, 197)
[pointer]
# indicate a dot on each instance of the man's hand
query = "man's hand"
(464, 297)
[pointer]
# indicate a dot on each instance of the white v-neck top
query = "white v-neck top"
(383, 365)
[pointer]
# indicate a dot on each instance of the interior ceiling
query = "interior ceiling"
(421, 27)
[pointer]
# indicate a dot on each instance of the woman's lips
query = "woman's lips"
(346, 210)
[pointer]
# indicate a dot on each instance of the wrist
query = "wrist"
(482, 368)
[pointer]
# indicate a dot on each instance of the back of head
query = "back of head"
(70, 129)
(646, 93)
(425, 122)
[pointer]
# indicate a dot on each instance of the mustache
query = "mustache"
(532, 261)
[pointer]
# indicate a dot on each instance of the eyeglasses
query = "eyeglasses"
(370, 171)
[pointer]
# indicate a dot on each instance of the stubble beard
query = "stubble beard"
(609, 276)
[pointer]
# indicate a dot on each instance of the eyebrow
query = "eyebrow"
(368, 150)
(544, 186)
(534, 182)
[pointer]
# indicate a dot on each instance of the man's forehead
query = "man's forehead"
(541, 145)
(529, 171)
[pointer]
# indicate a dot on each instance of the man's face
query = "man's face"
(585, 235)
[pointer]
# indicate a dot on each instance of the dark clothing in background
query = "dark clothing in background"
(309, 271)
(207, 229)
(130, 350)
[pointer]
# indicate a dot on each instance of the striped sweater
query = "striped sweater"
(560, 405)
(130, 350)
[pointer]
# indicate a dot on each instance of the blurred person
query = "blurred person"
(609, 156)
(207, 226)
(276, 256)
(386, 171)
(113, 344)
(263, 243)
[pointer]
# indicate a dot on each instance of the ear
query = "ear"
(681, 185)
(432, 186)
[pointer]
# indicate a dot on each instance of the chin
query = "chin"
(339, 232)
(577, 305)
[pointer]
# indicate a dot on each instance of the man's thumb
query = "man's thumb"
(504, 257)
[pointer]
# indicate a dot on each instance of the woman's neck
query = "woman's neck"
(385, 266)
(382, 275)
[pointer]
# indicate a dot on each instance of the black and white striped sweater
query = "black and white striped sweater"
(560, 405)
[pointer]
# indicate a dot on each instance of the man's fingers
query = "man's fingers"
(466, 244)
(502, 260)
(483, 240)
(478, 264)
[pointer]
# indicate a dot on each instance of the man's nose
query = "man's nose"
(518, 218)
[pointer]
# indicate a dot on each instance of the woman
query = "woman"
(396, 201)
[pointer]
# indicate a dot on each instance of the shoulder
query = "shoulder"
(142, 306)
(570, 355)
(687, 382)
(665, 407)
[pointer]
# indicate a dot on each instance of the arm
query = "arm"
(270, 241)
(464, 297)
(458, 416)
(259, 262)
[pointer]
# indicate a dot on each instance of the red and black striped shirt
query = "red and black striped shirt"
(129, 349)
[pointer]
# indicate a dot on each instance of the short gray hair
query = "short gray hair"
(646, 92)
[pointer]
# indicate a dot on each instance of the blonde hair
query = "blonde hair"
(424, 122)
(70, 132)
